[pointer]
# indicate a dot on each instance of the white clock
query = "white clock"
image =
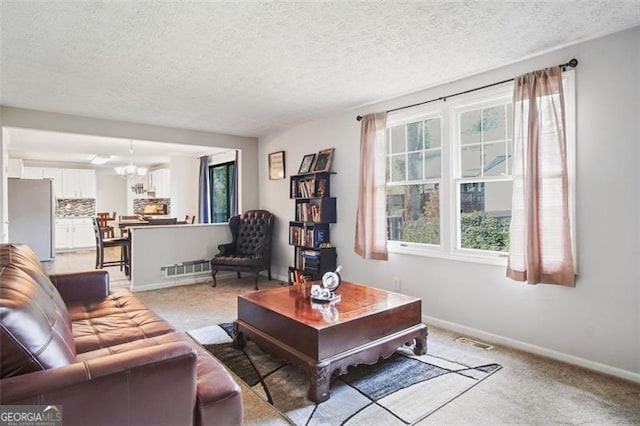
(331, 280)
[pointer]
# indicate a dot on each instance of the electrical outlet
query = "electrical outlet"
(397, 284)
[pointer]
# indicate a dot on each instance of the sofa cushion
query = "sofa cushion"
(34, 331)
(116, 319)
(237, 261)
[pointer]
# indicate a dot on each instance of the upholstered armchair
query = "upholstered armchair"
(250, 248)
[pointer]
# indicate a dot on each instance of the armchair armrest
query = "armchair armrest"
(78, 286)
(134, 387)
(261, 251)
(226, 249)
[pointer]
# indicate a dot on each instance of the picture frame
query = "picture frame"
(307, 163)
(276, 165)
(323, 160)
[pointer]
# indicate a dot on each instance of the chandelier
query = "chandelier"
(131, 170)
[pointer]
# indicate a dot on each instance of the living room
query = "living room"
(594, 325)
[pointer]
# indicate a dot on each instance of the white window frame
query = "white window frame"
(450, 175)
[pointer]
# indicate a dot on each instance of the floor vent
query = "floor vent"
(186, 268)
(474, 343)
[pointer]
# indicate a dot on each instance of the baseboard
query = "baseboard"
(534, 349)
(173, 283)
(198, 279)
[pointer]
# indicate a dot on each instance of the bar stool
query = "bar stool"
(102, 243)
(105, 228)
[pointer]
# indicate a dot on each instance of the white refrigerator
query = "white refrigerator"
(32, 215)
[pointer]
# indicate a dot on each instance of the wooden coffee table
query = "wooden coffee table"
(365, 325)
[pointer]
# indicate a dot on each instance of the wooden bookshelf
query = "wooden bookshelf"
(310, 231)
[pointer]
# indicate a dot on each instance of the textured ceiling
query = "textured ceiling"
(249, 68)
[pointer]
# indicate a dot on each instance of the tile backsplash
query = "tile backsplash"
(139, 204)
(74, 207)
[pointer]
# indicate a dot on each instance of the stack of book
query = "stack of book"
(311, 261)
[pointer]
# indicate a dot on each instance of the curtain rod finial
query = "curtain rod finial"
(573, 63)
(359, 118)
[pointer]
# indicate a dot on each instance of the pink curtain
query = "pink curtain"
(540, 235)
(371, 219)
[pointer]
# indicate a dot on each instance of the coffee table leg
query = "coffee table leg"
(320, 380)
(238, 338)
(420, 348)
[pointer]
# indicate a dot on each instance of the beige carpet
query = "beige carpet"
(528, 390)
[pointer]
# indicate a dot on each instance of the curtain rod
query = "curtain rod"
(572, 63)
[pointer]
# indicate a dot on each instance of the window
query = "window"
(483, 144)
(221, 191)
(449, 171)
(414, 168)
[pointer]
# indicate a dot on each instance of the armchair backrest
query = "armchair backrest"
(252, 229)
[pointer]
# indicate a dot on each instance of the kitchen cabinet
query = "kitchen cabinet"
(15, 168)
(32, 172)
(67, 183)
(159, 183)
(56, 175)
(78, 183)
(63, 234)
(74, 233)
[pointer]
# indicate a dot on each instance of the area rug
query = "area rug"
(400, 390)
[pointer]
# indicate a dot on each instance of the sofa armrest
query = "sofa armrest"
(134, 387)
(79, 286)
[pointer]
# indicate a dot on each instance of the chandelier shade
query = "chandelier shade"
(130, 170)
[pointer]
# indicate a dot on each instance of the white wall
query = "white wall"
(597, 323)
(184, 185)
(156, 246)
(112, 192)
(40, 120)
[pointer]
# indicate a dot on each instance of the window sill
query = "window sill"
(413, 250)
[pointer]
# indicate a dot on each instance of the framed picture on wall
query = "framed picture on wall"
(307, 163)
(323, 160)
(276, 165)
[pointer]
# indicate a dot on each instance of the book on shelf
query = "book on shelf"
(306, 188)
(320, 236)
(322, 184)
(311, 254)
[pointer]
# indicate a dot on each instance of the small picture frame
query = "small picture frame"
(323, 160)
(276, 165)
(307, 163)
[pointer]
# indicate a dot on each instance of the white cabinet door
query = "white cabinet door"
(70, 183)
(63, 234)
(32, 172)
(165, 178)
(83, 235)
(56, 175)
(160, 183)
(15, 168)
(87, 183)
(79, 183)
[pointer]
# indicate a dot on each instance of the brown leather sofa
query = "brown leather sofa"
(67, 340)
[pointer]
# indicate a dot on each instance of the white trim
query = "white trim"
(202, 278)
(534, 349)
(428, 250)
(448, 112)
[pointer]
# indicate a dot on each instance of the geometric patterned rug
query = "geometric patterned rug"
(400, 390)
